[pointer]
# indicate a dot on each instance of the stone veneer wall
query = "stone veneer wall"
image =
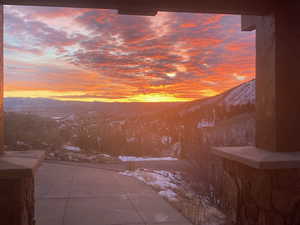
(17, 201)
(257, 197)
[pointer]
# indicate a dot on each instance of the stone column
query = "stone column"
(17, 186)
(17, 200)
(278, 80)
(261, 184)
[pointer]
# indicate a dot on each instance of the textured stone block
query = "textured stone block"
(17, 201)
(17, 187)
(260, 196)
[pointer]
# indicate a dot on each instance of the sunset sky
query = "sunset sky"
(98, 55)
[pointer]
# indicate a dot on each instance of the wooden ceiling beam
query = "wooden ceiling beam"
(245, 7)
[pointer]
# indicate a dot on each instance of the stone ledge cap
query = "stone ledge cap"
(259, 158)
(14, 164)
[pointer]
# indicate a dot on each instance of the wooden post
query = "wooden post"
(1, 83)
(278, 80)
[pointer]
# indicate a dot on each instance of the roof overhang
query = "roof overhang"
(150, 7)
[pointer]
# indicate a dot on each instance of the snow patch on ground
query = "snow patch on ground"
(172, 186)
(169, 194)
(164, 181)
(72, 148)
(135, 159)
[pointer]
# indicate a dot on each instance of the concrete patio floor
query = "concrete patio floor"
(76, 195)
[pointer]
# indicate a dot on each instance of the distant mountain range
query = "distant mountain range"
(50, 107)
(241, 95)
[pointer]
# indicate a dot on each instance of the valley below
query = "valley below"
(67, 129)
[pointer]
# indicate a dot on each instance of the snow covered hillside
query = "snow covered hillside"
(241, 95)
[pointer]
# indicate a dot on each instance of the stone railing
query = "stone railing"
(17, 186)
(259, 187)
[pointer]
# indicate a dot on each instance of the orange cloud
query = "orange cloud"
(188, 25)
(97, 55)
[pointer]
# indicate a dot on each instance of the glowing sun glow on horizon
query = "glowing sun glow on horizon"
(80, 96)
(40, 94)
(209, 92)
(157, 98)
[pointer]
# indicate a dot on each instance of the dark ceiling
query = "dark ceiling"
(255, 7)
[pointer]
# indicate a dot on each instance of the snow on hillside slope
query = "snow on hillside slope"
(241, 95)
(136, 159)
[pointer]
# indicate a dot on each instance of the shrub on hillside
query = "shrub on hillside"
(30, 130)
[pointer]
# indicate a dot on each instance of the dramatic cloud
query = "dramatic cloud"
(98, 55)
